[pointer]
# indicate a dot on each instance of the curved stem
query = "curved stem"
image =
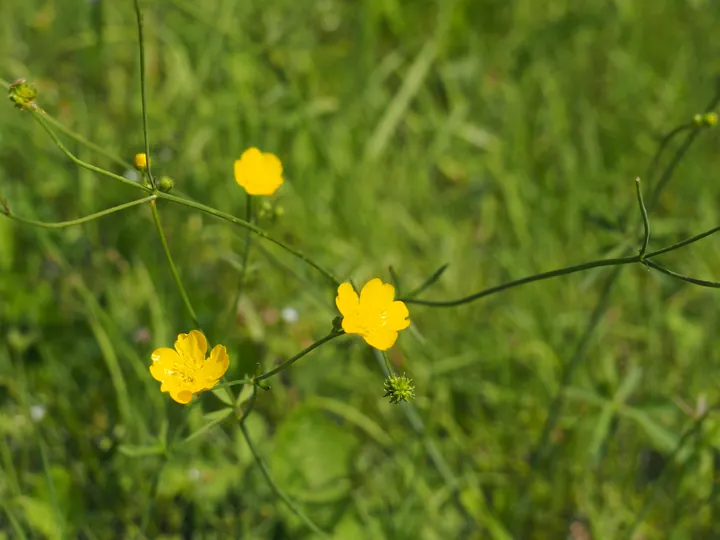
(237, 221)
(290, 361)
(173, 269)
(141, 41)
(537, 277)
(694, 281)
(78, 221)
(40, 117)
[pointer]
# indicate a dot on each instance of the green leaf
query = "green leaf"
(353, 416)
(311, 452)
(223, 395)
(212, 419)
(661, 436)
(40, 516)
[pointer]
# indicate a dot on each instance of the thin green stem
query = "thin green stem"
(290, 361)
(661, 148)
(646, 221)
(684, 243)
(78, 221)
(694, 281)
(537, 277)
(246, 253)
(278, 491)
(141, 41)
(388, 365)
(680, 152)
(40, 117)
(169, 444)
(85, 142)
(572, 269)
(241, 222)
(79, 138)
(261, 464)
(173, 269)
(429, 282)
(238, 382)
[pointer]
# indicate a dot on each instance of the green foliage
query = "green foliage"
(499, 137)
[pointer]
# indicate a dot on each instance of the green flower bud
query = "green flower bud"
(337, 324)
(22, 94)
(697, 119)
(710, 119)
(399, 389)
(166, 184)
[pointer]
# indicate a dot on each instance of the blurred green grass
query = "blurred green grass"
(490, 135)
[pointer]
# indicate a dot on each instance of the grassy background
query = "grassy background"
(501, 137)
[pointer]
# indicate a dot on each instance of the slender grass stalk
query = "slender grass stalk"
(141, 41)
(78, 221)
(173, 268)
(290, 361)
(246, 254)
(644, 214)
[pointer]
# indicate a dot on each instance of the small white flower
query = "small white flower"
(37, 412)
(289, 315)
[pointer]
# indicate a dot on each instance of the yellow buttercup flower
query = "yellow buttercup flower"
(375, 314)
(185, 371)
(140, 161)
(260, 173)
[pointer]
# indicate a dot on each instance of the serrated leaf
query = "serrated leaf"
(213, 419)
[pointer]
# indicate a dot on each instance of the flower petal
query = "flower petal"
(181, 395)
(215, 367)
(347, 300)
(351, 325)
(381, 338)
(376, 295)
(163, 360)
(397, 316)
(188, 347)
(273, 165)
(200, 340)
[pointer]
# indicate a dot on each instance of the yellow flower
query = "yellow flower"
(375, 315)
(185, 371)
(260, 173)
(140, 161)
